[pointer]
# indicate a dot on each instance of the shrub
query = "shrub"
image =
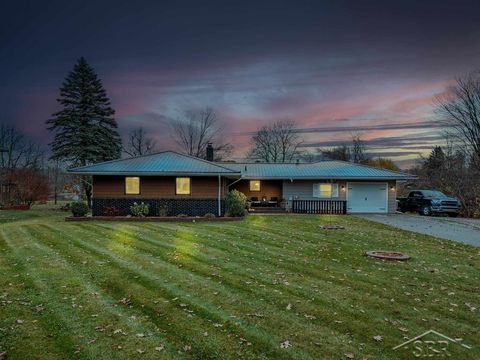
(79, 209)
(236, 202)
(140, 210)
(162, 210)
(29, 185)
(66, 207)
(111, 211)
(209, 216)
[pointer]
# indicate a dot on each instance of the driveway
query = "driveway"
(457, 229)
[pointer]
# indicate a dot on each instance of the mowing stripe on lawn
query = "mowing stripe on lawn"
(146, 279)
(297, 292)
(332, 321)
(117, 286)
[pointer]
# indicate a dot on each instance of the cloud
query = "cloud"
(353, 129)
(426, 141)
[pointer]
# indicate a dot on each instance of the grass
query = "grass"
(111, 290)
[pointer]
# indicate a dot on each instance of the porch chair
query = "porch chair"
(254, 201)
(273, 201)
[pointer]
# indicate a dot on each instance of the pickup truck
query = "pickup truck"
(428, 202)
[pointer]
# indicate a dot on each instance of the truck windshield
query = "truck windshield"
(433, 194)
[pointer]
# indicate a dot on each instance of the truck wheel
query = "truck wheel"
(426, 211)
(452, 214)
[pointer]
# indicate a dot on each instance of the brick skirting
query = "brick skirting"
(173, 207)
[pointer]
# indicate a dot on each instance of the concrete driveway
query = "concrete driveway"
(457, 229)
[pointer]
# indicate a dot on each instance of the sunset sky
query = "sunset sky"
(335, 67)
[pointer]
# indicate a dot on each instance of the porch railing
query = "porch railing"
(319, 206)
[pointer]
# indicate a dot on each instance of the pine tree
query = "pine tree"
(85, 129)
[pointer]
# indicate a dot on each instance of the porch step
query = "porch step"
(266, 210)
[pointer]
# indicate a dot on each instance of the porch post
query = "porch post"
(219, 196)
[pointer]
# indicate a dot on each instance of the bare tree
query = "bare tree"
(342, 153)
(139, 143)
(21, 152)
(459, 109)
(356, 152)
(358, 149)
(58, 178)
(276, 142)
(448, 169)
(196, 130)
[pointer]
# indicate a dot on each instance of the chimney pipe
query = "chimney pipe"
(209, 152)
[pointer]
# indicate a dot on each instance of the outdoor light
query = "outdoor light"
(392, 188)
(343, 187)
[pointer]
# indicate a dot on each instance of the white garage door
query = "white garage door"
(367, 197)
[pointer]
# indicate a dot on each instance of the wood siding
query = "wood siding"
(154, 187)
(268, 189)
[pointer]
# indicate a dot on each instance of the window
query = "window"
(183, 186)
(132, 185)
(254, 185)
(325, 190)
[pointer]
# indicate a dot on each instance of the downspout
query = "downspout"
(219, 195)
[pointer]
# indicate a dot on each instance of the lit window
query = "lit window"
(254, 185)
(132, 185)
(183, 186)
(325, 190)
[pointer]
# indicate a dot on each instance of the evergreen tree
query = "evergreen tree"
(85, 129)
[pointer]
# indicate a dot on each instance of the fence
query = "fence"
(319, 206)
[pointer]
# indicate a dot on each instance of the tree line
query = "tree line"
(86, 132)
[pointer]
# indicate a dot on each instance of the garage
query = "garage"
(367, 197)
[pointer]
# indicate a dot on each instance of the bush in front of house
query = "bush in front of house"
(163, 210)
(140, 210)
(209, 216)
(236, 202)
(79, 209)
(111, 211)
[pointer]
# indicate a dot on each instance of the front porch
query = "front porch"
(267, 196)
(261, 194)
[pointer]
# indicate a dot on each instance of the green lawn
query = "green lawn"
(227, 290)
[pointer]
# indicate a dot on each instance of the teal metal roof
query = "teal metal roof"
(318, 170)
(172, 163)
(167, 163)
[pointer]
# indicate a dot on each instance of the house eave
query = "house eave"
(370, 178)
(151, 173)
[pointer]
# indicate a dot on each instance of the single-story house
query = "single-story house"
(182, 184)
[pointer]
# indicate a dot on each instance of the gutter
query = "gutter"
(160, 173)
(372, 178)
